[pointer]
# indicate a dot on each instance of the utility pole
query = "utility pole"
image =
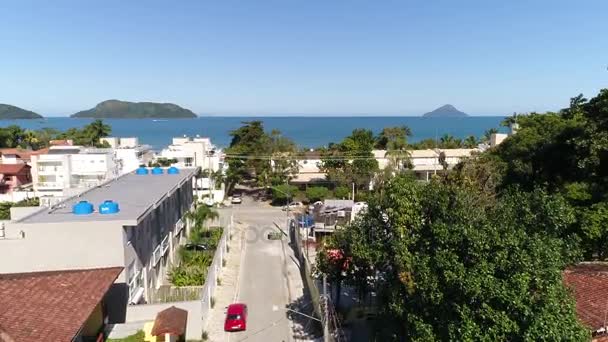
(326, 337)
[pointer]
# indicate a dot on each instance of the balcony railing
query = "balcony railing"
(164, 245)
(179, 226)
(50, 185)
(50, 169)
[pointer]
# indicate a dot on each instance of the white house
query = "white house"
(129, 153)
(65, 170)
(194, 152)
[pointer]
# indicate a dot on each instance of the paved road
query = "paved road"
(263, 282)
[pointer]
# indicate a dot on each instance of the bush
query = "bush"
(316, 193)
(341, 192)
(362, 196)
(281, 194)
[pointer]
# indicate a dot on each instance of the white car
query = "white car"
(236, 199)
(293, 205)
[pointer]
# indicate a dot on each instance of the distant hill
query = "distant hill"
(446, 111)
(8, 112)
(115, 109)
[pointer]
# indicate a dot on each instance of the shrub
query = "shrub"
(341, 192)
(316, 193)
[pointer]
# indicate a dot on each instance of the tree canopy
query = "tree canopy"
(447, 264)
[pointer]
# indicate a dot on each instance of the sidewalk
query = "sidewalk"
(226, 292)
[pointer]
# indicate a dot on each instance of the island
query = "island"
(115, 109)
(446, 111)
(8, 112)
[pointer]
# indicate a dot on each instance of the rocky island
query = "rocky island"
(115, 109)
(9, 112)
(446, 111)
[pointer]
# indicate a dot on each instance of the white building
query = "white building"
(194, 152)
(424, 163)
(142, 236)
(66, 170)
(129, 153)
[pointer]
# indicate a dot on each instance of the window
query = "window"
(188, 162)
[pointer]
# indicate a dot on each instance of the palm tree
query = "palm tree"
(218, 178)
(95, 131)
(200, 215)
(488, 134)
(471, 141)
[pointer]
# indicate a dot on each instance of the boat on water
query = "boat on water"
(159, 120)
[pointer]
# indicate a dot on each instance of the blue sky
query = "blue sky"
(303, 56)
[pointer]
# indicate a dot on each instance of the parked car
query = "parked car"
(196, 247)
(236, 317)
(236, 199)
(311, 207)
(293, 205)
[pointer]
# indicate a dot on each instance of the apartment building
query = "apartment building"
(194, 152)
(64, 170)
(134, 222)
(129, 153)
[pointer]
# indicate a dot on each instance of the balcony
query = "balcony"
(50, 185)
(49, 170)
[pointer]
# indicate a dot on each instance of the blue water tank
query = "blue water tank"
(108, 207)
(142, 171)
(82, 208)
(157, 171)
(173, 170)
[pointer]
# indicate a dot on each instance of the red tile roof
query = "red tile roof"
(13, 169)
(50, 306)
(170, 321)
(589, 283)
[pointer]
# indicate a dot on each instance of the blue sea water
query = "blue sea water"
(305, 131)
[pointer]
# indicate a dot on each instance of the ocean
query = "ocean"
(307, 132)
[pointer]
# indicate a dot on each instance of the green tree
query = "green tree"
(449, 265)
(316, 193)
(341, 192)
(352, 160)
(283, 193)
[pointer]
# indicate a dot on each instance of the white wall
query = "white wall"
(57, 246)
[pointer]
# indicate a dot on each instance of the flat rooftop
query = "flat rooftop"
(135, 194)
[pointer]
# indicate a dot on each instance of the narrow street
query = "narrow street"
(264, 280)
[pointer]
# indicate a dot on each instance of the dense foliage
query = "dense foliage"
(14, 136)
(449, 264)
(266, 158)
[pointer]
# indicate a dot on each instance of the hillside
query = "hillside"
(446, 111)
(8, 112)
(115, 109)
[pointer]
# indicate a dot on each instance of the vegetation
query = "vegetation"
(477, 254)
(351, 161)
(89, 135)
(194, 264)
(283, 193)
(5, 207)
(341, 192)
(449, 264)
(317, 193)
(115, 109)
(266, 159)
(8, 112)
(137, 337)
(162, 162)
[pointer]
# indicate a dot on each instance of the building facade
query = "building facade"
(142, 236)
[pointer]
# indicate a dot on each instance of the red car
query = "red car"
(236, 317)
